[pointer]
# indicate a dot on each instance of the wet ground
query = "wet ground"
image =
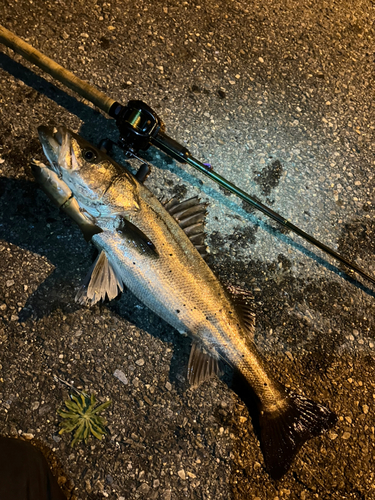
(278, 96)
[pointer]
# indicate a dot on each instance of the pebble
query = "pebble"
(365, 409)
(167, 495)
(346, 435)
(121, 376)
(156, 483)
(168, 386)
(182, 474)
(35, 405)
(144, 488)
(140, 362)
(28, 435)
(10, 283)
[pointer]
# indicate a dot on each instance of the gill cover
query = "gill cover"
(101, 186)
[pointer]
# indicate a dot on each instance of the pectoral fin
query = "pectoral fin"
(202, 365)
(135, 237)
(102, 281)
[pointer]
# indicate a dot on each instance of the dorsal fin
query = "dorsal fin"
(191, 216)
(102, 281)
(244, 303)
(202, 365)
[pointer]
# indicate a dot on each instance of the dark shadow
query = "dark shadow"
(92, 130)
(164, 162)
(87, 114)
(30, 221)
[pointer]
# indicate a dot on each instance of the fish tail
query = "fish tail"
(283, 432)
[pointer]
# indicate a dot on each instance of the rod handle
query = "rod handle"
(61, 74)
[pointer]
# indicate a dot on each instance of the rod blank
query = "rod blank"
(61, 74)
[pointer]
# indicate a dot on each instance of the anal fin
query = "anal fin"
(202, 365)
(101, 282)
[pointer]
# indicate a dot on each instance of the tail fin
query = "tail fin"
(284, 432)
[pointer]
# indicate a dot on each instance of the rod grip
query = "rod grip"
(61, 74)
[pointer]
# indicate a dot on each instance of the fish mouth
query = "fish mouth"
(56, 143)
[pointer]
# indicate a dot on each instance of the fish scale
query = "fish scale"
(143, 247)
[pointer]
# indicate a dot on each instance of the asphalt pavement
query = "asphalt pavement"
(279, 97)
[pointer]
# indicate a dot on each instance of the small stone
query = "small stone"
(167, 495)
(140, 362)
(156, 483)
(168, 386)
(191, 475)
(261, 59)
(144, 488)
(289, 355)
(121, 376)
(88, 486)
(182, 474)
(136, 382)
(332, 435)
(111, 28)
(348, 419)
(28, 435)
(35, 405)
(346, 435)
(10, 283)
(14, 317)
(365, 409)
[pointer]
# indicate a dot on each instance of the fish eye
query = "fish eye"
(89, 155)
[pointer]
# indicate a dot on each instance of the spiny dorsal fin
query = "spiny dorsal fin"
(101, 281)
(244, 303)
(190, 215)
(201, 366)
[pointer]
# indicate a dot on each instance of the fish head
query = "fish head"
(88, 171)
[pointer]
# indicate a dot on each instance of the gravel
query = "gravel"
(278, 96)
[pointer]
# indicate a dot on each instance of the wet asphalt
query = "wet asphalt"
(278, 97)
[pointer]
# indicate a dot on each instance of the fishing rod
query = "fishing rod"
(140, 127)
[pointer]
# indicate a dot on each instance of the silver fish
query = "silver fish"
(157, 252)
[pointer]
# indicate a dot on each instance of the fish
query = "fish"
(157, 251)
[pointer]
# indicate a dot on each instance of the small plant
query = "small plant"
(83, 417)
